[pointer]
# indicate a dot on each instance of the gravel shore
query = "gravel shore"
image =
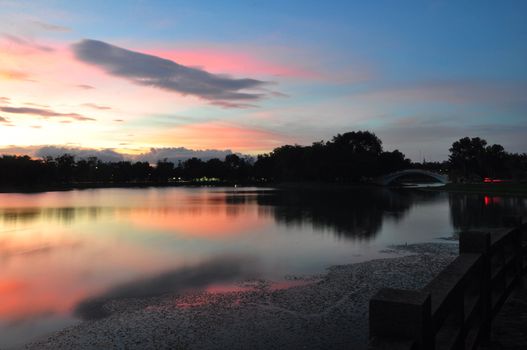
(327, 312)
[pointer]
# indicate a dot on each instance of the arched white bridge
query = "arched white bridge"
(385, 180)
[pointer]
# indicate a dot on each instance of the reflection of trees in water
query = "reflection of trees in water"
(64, 215)
(356, 213)
(477, 210)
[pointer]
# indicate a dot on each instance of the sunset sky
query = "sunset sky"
(162, 77)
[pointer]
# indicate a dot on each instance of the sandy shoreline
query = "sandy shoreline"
(328, 312)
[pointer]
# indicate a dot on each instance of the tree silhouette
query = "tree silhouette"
(350, 157)
(358, 142)
(472, 159)
(467, 156)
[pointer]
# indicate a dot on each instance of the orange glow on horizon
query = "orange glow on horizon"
(215, 135)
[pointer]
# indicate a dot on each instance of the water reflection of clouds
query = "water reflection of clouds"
(217, 270)
(78, 244)
(27, 249)
(221, 221)
(215, 213)
(25, 300)
(353, 214)
(40, 278)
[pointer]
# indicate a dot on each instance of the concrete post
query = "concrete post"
(479, 242)
(402, 314)
(518, 250)
(518, 257)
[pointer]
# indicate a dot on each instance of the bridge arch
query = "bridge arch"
(385, 180)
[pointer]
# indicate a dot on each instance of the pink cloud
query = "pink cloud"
(222, 61)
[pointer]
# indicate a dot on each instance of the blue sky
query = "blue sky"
(420, 74)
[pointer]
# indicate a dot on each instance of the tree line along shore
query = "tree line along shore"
(349, 158)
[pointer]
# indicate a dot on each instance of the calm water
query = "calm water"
(59, 250)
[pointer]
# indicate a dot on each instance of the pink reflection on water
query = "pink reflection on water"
(220, 221)
(215, 292)
(59, 248)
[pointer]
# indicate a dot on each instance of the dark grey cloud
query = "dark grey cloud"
(222, 269)
(176, 154)
(96, 106)
(105, 155)
(172, 154)
(45, 113)
(230, 104)
(12, 149)
(158, 72)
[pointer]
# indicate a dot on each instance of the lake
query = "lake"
(60, 250)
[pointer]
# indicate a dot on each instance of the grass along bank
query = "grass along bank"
(502, 188)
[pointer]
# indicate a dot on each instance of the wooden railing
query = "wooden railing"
(455, 310)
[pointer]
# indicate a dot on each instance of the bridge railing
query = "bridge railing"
(455, 310)
(388, 178)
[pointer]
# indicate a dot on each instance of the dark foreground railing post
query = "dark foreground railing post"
(518, 257)
(467, 294)
(402, 315)
(517, 239)
(523, 244)
(479, 242)
(518, 250)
